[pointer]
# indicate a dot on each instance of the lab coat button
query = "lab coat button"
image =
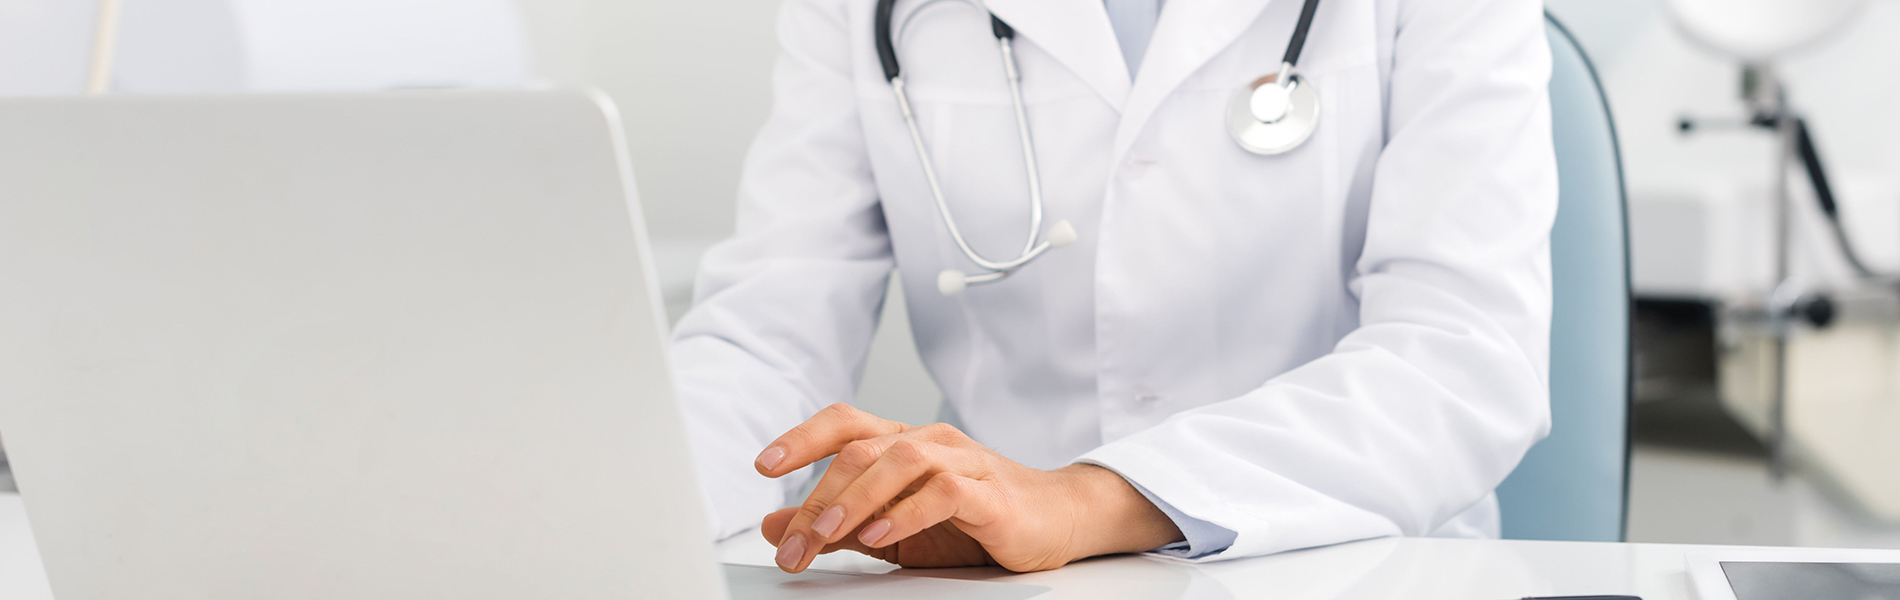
(1138, 166)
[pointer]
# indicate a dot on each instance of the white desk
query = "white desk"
(1411, 568)
(1417, 569)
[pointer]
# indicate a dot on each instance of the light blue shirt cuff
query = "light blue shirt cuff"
(1203, 538)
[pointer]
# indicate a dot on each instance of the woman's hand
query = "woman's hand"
(932, 497)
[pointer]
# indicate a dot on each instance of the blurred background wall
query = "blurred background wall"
(692, 80)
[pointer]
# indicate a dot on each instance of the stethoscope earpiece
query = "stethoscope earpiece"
(1061, 234)
(951, 282)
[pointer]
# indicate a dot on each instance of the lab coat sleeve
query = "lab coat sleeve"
(1417, 414)
(1201, 537)
(785, 309)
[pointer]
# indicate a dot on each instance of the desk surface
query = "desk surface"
(1413, 568)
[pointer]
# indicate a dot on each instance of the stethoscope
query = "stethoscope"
(1269, 115)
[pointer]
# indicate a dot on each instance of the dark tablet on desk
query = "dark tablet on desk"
(1797, 575)
(1813, 581)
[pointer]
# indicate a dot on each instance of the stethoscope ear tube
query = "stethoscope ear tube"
(886, 52)
(887, 46)
(1001, 30)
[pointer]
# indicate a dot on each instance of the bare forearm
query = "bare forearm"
(1115, 517)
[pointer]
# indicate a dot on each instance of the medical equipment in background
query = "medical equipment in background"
(105, 34)
(1269, 115)
(1756, 33)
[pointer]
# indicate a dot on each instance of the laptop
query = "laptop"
(393, 345)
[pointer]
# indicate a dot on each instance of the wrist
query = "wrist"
(1111, 516)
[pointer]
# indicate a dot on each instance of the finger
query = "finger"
(817, 524)
(855, 457)
(905, 464)
(850, 542)
(853, 460)
(773, 526)
(946, 496)
(795, 552)
(824, 434)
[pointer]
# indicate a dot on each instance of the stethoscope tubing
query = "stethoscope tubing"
(1035, 246)
(1297, 42)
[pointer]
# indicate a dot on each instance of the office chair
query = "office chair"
(1574, 485)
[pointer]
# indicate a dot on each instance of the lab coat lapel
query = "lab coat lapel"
(1190, 33)
(1077, 34)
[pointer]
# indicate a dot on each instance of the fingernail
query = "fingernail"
(790, 552)
(874, 532)
(771, 457)
(828, 521)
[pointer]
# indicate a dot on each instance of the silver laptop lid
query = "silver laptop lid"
(400, 345)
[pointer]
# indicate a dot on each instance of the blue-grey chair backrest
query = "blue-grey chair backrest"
(1574, 484)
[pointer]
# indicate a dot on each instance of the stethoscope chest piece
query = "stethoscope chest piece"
(1265, 117)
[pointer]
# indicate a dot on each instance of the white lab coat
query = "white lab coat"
(1345, 341)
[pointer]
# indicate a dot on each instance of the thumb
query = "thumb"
(773, 527)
